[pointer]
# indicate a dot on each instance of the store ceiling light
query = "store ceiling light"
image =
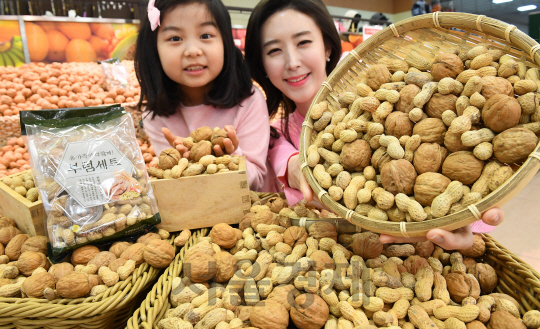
(526, 8)
(501, 1)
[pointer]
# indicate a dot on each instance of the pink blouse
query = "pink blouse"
(281, 150)
(250, 119)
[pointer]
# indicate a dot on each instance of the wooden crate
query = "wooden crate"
(203, 200)
(29, 216)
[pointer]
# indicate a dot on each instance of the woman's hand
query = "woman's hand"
(462, 238)
(231, 143)
(296, 178)
(175, 142)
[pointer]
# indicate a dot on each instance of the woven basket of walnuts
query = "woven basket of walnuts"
(423, 126)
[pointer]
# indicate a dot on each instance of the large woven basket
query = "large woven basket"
(429, 35)
(516, 278)
(110, 309)
(156, 303)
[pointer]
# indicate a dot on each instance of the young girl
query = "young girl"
(291, 46)
(192, 75)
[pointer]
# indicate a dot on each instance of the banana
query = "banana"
(17, 61)
(7, 60)
(2, 62)
(18, 53)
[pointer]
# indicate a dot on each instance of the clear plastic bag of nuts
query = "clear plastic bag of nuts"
(91, 175)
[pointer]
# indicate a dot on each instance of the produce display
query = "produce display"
(25, 271)
(14, 157)
(419, 140)
(202, 159)
(269, 274)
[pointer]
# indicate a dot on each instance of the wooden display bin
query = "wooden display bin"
(203, 200)
(29, 216)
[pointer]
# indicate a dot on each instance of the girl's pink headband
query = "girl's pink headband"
(153, 15)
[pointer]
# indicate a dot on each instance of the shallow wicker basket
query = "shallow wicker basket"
(156, 303)
(515, 278)
(429, 35)
(110, 309)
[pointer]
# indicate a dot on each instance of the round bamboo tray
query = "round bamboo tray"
(428, 35)
(110, 309)
(156, 303)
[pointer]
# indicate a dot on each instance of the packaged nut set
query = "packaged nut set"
(91, 174)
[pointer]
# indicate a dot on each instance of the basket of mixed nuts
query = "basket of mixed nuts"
(155, 304)
(426, 125)
(270, 274)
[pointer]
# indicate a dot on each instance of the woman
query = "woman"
(291, 47)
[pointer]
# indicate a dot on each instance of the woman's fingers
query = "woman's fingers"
(305, 188)
(493, 217)
(229, 146)
(461, 238)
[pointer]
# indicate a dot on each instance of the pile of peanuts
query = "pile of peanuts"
(268, 273)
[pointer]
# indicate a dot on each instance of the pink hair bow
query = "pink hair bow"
(153, 15)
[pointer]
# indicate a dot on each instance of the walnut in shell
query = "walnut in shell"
(514, 145)
(501, 112)
(428, 186)
(218, 136)
(398, 176)
(367, 245)
(406, 96)
(134, 252)
(199, 150)
(200, 267)
(84, 254)
(7, 233)
(492, 86)
(60, 270)
(322, 260)
(284, 295)
(431, 130)
(321, 230)
(225, 265)
(168, 158)
(158, 253)
(73, 285)
(377, 75)
(446, 65)
(263, 217)
(461, 285)
(30, 260)
(355, 155)
(202, 133)
(223, 235)
(309, 311)
(34, 285)
(429, 157)
(463, 166)
(439, 103)
(295, 235)
(35, 243)
(102, 259)
(398, 124)
(486, 276)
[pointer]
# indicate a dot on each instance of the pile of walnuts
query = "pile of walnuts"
(202, 159)
(271, 273)
(25, 270)
(420, 140)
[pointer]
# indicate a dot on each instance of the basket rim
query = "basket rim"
(483, 25)
(109, 301)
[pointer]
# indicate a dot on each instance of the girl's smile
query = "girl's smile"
(298, 80)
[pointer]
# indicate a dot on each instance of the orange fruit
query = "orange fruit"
(355, 39)
(346, 46)
(47, 26)
(100, 45)
(102, 30)
(75, 30)
(9, 29)
(79, 50)
(38, 43)
(57, 46)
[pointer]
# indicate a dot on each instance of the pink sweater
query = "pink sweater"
(250, 120)
(282, 150)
